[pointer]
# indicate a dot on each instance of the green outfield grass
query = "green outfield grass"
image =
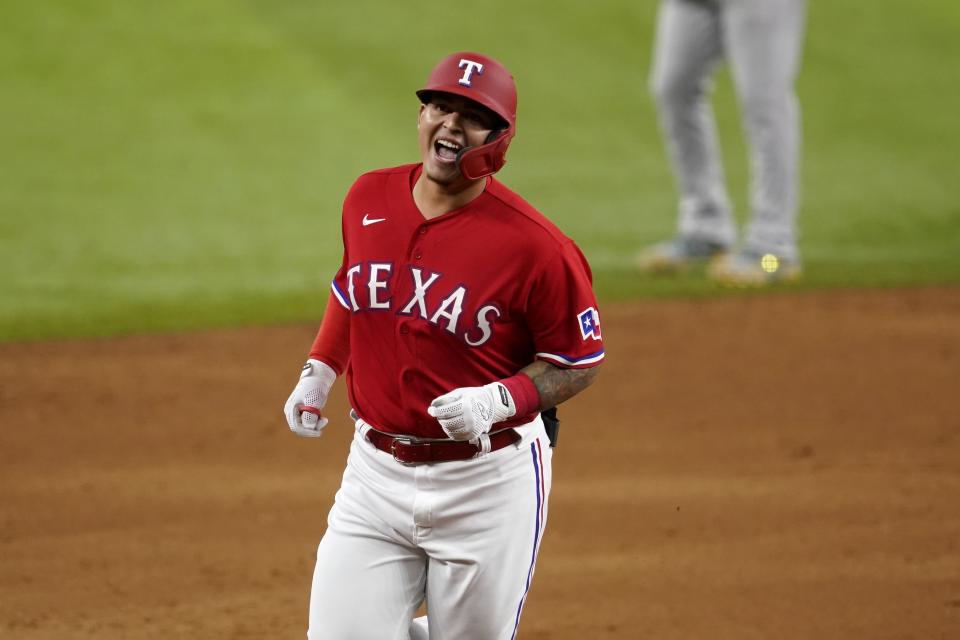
(178, 165)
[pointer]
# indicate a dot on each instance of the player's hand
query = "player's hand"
(308, 398)
(468, 412)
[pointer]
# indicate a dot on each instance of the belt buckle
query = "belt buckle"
(393, 449)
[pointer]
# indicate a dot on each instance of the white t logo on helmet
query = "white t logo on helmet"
(469, 66)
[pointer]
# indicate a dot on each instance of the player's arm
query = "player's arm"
(332, 344)
(555, 384)
(328, 359)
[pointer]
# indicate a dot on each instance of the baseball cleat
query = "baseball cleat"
(754, 269)
(678, 254)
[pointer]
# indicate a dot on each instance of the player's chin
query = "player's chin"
(442, 170)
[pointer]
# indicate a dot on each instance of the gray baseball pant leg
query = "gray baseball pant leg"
(687, 48)
(763, 40)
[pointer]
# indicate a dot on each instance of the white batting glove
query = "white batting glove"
(308, 398)
(468, 412)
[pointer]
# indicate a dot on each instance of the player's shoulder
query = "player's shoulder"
(377, 178)
(388, 171)
(534, 223)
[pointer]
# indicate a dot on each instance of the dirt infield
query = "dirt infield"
(747, 468)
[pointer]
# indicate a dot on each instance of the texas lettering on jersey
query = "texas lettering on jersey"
(369, 289)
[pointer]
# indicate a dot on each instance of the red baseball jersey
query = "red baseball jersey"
(461, 300)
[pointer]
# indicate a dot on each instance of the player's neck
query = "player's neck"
(435, 199)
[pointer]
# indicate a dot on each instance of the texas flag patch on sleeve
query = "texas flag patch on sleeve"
(589, 320)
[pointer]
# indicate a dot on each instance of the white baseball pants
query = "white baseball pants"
(462, 535)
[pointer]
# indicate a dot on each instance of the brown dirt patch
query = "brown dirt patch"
(755, 467)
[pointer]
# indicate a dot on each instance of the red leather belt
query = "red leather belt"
(411, 451)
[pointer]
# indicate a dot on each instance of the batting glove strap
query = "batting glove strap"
(303, 407)
(468, 412)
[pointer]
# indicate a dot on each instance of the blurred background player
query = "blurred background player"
(458, 315)
(762, 41)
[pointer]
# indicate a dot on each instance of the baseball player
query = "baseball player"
(458, 315)
(762, 40)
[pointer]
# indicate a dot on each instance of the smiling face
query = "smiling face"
(448, 123)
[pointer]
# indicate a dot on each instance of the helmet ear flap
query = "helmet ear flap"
(485, 159)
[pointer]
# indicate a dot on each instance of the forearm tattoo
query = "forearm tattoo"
(557, 385)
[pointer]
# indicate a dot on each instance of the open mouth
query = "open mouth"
(446, 150)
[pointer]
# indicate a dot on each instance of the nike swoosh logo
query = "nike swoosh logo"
(367, 220)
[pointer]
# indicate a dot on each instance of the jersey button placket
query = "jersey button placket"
(418, 249)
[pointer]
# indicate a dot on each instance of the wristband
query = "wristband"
(524, 393)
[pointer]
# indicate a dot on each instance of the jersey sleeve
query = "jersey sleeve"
(562, 312)
(332, 343)
(340, 285)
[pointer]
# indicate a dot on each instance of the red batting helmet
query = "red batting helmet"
(484, 80)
